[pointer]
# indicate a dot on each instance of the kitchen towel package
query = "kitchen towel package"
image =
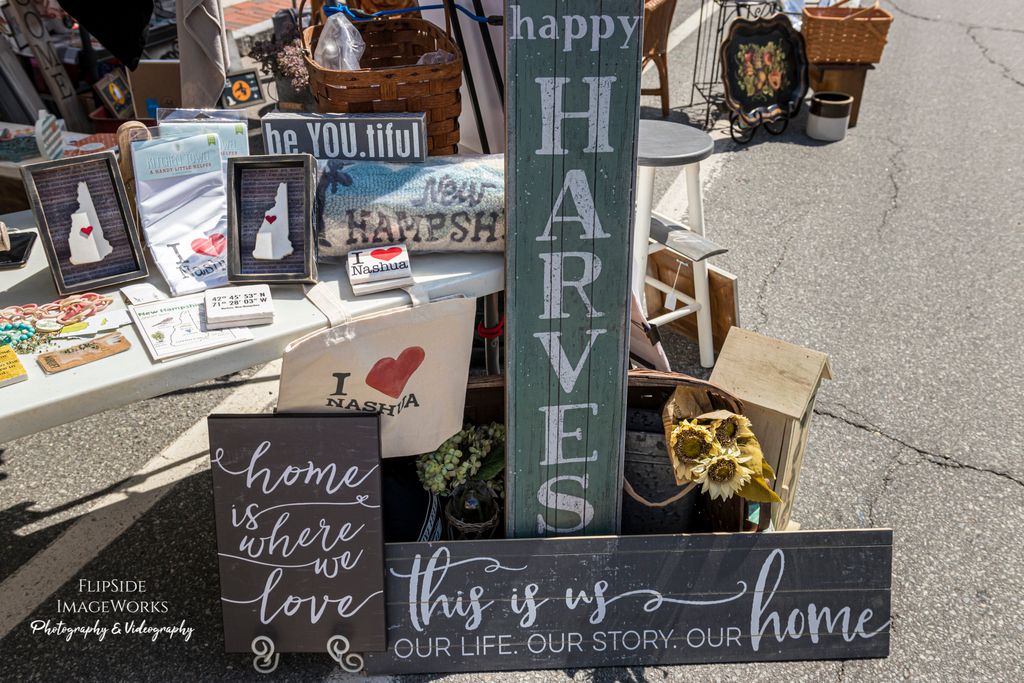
(230, 127)
(454, 204)
(183, 209)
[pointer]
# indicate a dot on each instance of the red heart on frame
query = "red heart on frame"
(210, 246)
(271, 219)
(390, 375)
(87, 230)
(386, 254)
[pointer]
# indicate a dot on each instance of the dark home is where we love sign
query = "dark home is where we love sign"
(297, 502)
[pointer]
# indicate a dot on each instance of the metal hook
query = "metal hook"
(265, 660)
(338, 650)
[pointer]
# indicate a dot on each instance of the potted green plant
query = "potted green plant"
(467, 472)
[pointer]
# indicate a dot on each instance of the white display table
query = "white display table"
(48, 400)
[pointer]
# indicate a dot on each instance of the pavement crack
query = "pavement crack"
(970, 30)
(938, 459)
(896, 167)
(1005, 70)
(887, 478)
(761, 302)
(952, 22)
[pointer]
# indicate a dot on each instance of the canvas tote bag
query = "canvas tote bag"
(411, 366)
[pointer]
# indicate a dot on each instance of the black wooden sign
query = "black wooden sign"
(299, 531)
(395, 137)
(636, 600)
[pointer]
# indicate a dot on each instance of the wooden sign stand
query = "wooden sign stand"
(56, 77)
(573, 105)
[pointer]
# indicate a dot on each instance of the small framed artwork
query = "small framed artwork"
(270, 219)
(85, 223)
(242, 89)
(116, 95)
(764, 69)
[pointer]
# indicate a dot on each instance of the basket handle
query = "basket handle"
(448, 18)
(861, 12)
(643, 501)
(306, 47)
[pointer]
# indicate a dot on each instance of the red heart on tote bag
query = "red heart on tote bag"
(390, 375)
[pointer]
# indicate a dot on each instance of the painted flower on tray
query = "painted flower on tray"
(724, 474)
(762, 70)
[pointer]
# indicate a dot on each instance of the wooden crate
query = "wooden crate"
(845, 78)
(778, 383)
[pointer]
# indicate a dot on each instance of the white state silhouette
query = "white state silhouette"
(86, 240)
(272, 243)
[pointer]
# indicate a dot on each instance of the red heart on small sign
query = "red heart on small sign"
(87, 230)
(209, 246)
(386, 254)
(271, 219)
(390, 375)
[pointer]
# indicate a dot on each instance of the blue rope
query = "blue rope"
(362, 16)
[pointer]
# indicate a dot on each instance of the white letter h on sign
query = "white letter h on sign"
(597, 113)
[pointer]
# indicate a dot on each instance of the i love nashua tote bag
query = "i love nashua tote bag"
(411, 366)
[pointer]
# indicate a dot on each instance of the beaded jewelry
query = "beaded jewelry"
(19, 324)
(15, 333)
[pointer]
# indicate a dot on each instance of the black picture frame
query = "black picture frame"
(51, 193)
(109, 87)
(250, 173)
(787, 92)
(251, 90)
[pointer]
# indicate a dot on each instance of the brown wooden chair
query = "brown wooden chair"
(657, 24)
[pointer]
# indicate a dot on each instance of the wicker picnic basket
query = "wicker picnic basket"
(390, 80)
(843, 35)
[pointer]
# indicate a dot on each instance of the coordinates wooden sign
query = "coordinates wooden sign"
(573, 98)
(299, 532)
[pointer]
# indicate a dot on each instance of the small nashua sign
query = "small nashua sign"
(636, 600)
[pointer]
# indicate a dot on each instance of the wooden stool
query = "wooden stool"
(669, 144)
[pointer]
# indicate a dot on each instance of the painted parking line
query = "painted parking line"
(115, 512)
(683, 31)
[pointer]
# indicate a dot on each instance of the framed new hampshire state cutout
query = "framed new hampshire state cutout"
(270, 219)
(85, 223)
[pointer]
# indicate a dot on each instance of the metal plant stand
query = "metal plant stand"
(706, 85)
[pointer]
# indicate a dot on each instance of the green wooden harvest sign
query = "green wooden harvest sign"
(573, 98)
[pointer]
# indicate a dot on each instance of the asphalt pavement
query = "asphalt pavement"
(898, 252)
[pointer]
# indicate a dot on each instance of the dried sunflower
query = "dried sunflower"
(690, 443)
(724, 473)
(727, 431)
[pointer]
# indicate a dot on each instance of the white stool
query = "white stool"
(669, 144)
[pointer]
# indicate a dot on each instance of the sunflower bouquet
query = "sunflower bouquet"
(718, 452)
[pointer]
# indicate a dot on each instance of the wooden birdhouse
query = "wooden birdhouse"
(777, 383)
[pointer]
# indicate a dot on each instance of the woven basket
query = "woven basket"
(841, 35)
(390, 80)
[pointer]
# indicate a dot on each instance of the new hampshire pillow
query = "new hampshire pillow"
(446, 204)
